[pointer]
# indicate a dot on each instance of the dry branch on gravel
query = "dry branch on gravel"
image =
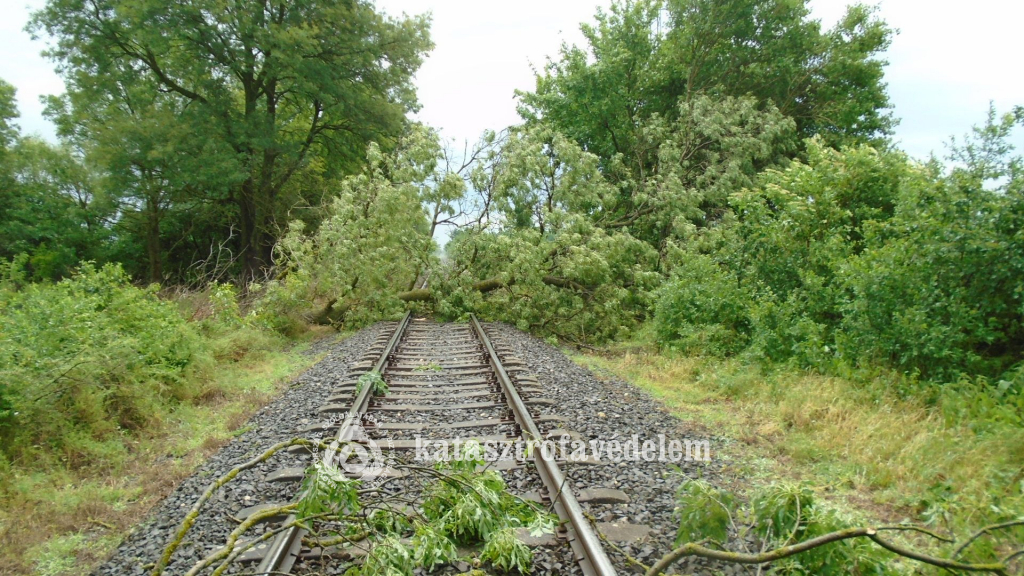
(699, 549)
(193, 513)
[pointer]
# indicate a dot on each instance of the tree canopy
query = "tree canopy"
(694, 91)
(232, 103)
(720, 169)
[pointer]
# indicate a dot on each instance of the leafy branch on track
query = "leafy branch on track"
(190, 518)
(420, 525)
(375, 381)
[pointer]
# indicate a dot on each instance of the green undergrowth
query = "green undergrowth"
(111, 395)
(868, 452)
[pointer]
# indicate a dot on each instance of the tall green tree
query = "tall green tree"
(156, 170)
(281, 85)
(8, 113)
(648, 59)
(829, 81)
(49, 210)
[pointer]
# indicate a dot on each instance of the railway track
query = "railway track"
(445, 382)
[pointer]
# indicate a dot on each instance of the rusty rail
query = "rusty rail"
(287, 545)
(593, 560)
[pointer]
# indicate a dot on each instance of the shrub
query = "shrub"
(87, 357)
(860, 258)
(704, 308)
(937, 290)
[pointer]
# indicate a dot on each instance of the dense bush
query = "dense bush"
(938, 289)
(860, 257)
(768, 277)
(795, 233)
(87, 357)
(703, 308)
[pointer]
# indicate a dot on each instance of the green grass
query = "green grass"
(62, 520)
(867, 451)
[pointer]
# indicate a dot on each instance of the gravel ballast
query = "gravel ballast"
(595, 408)
(610, 409)
(274, 423)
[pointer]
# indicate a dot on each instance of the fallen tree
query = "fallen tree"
(333, 313)
(490, 285)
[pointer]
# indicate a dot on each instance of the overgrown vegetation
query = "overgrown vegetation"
(714, 175)
(861, 258)
(111, 394)
(870, 456)
(87, 358)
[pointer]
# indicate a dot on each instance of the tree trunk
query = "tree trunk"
(491, 284)
(251, 232)
(154, 250)
(332, 313)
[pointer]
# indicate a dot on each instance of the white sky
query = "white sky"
(950, 59)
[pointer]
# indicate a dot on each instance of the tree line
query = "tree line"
(711, 177)
(720, 173)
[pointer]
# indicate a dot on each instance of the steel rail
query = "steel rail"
(286, 546)
(593, 559)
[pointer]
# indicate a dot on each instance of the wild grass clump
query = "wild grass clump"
(946, 463)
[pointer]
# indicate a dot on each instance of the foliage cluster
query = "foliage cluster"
(378, 385)
(186, 150)
(88, 357)
(461, 506)
(48, 211)
(635, 143)
(373, 243)
(860, 258)
(778, 515)
(785, 516)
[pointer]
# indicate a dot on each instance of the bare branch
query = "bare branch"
(986, 530)
(697, 549)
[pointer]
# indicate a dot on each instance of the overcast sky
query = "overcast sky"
(950, 59)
